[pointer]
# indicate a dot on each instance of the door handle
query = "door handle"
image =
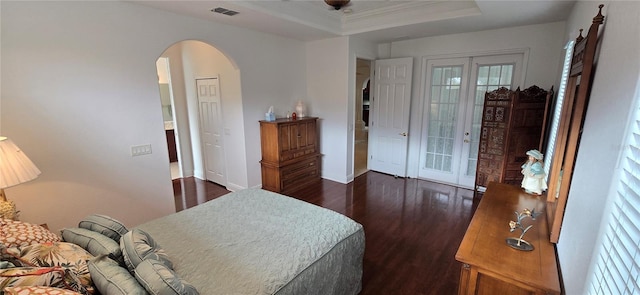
(467, 141)
(403, 134)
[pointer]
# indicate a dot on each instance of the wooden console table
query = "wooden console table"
(490, 266)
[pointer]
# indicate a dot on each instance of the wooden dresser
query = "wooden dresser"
(290, 154)
(490, 266)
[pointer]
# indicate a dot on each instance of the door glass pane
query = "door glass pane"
(443, 104)
(490, 77)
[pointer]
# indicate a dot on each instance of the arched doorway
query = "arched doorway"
(200, 81)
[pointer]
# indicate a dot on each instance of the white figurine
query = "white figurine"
(534, 177)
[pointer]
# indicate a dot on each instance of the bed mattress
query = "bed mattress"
(258, 242)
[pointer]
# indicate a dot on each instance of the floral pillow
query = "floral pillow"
(36, 276)
(15, 233)
(39, 290)
(69, 256)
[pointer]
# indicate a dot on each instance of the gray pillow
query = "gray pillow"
(137, 245)
(94, 242)
(158, 279)
(105, 225)
(112, 279)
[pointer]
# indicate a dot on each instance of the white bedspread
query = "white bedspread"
(258, 242)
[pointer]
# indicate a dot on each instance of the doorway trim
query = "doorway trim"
(163, 65)
(351, 113)
(358, 89)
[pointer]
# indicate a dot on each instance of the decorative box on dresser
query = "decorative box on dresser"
(489, 265)
(290, 154)
(512, 123)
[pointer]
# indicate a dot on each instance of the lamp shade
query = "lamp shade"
(15, 166)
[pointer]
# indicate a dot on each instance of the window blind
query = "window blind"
(617, 265)
(558, 108)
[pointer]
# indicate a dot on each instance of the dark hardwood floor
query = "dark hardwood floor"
(412, 227)
(191, 191)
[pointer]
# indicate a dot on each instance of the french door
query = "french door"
(454, 98)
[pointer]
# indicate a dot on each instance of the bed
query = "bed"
(258, 242)
(246, 242)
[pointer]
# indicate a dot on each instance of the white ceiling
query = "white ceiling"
(376, 21)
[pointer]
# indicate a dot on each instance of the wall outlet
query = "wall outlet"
(139, 150)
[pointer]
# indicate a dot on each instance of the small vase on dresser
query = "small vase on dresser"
(301, 109)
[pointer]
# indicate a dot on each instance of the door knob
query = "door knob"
(403, 134)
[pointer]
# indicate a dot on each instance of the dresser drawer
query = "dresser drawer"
(302, 167)
(299, 174)
(297, 153)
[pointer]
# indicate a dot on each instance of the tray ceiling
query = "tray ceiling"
(376, 21)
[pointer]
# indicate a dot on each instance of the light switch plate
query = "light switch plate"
(139, 150)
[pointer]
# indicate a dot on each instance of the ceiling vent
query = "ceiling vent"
(224, 11)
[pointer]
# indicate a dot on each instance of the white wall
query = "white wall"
(273, 73)
(614, 85)
(331, 82)
(543, 41)
(328, 83)
(80, 87)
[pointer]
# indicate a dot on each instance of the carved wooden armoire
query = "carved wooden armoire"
(512, 123)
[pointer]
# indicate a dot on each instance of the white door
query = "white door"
(454, 99)
(389, 116)
(211, 129)
(441, 148)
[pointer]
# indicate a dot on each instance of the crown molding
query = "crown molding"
(373, 20)
(403, 13)
(407, 14)
(304, 12)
